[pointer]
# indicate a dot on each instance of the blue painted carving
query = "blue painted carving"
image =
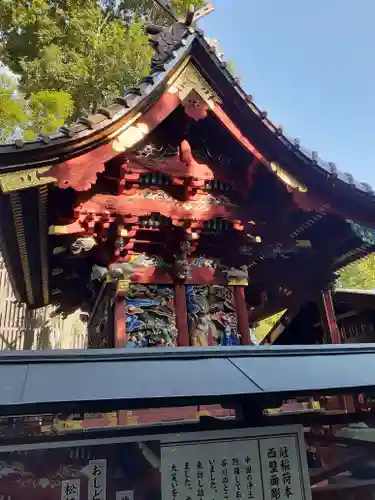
(366, 234)
(150, 316)
(212, 319)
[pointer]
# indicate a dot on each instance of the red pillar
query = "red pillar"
(120, 322)
(242, 317)
(328, 318)
(183, 339)
(332, 335)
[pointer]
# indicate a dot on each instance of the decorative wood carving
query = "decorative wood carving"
(287, 178)
(189, 83)
(199, 208)
(80, 173)
(14, 181)
(175, 163)
(195, 107)
(181, 265)
(163, 40)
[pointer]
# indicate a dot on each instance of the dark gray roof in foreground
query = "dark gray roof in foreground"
(119, 378)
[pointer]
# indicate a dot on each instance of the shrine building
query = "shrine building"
(180, 214)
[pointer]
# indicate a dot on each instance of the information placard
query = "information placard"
(70, 489)
(268, 465)
(97, 488)
(125, 495)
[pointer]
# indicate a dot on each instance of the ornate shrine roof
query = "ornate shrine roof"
(170, 48)
(32, 262)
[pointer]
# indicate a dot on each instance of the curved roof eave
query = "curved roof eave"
(92, 131)
(302, 156)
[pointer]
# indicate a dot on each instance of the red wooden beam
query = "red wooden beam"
(120, 322)
(242, 316)
(237, 134)
(138, 205)
(332, 335)
(328, 318)
(183, 338)
(80, 173)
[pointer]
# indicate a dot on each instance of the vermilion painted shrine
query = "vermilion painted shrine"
(179, 214)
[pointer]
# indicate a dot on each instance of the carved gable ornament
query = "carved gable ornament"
(190, 81)
(23, 179)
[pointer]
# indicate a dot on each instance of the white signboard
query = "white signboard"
(97, 480)
(70, 489)
(253, 464)
(125, 495)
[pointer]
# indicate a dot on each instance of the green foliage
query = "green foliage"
(359, 275)
(264, 327)
(89, 49)
(42, 112)
(12, 107)
(182, 6)
(230, 67)
(47, 111)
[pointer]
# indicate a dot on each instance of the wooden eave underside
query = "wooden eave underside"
(34, 252)
(25, 244)
(347, 303)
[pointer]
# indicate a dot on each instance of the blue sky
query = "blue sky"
(311, 66)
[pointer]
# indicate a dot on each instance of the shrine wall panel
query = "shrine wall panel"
(150, 316)
(212, 318)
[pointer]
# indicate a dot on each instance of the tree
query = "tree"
(359, 274)
(89, 49)
(264, 326)
(42, 112)
(12, 112)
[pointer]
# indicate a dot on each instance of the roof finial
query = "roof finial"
(189, 17)
(199, 13)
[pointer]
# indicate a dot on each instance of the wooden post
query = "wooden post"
(242, 317)
(328, 318)
(183, 339)
(332, 335)
(120, 322)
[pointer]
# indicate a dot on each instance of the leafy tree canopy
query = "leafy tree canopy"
(359, 274)
(42, 112)
(265, 326)
(89, 49)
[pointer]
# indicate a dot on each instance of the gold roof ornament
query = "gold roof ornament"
(23, 179)
(287, 178)
(188, 80)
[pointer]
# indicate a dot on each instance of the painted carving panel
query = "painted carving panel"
(212, 318)
(150, 316)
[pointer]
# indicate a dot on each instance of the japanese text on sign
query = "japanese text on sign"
(97, 480)
(211, 476)
(251, 467)
(282, 474)
(125, 495)
(70, 489)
